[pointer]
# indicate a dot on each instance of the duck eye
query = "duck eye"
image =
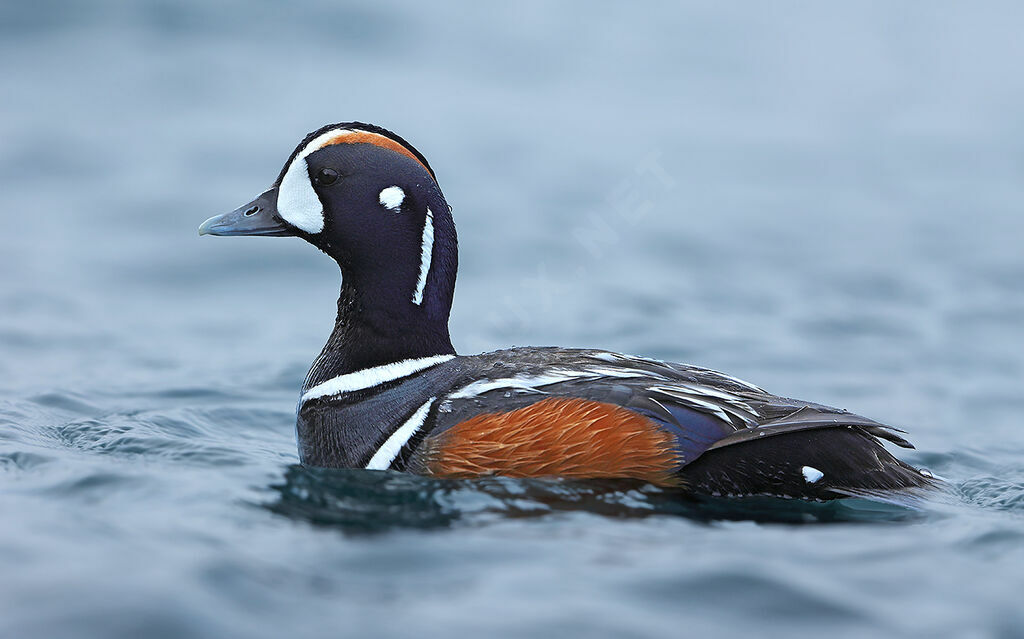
(325, 177)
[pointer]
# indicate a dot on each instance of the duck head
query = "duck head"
(369, 200)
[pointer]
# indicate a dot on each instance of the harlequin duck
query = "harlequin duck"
(388, 390)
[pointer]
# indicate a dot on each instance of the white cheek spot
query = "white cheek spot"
(392, 197)
(811, 474)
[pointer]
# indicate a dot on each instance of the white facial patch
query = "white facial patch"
(426, 253)
(297, 202)
(392, 197)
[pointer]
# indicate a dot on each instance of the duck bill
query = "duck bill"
(258, 217)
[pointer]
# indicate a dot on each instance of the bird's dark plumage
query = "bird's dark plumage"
(389, 392)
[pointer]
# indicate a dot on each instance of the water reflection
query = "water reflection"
(360, 501)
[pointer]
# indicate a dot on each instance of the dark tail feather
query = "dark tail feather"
(824, 463)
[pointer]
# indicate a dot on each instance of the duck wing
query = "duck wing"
(584, 413)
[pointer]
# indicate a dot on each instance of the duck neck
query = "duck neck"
(379, 323)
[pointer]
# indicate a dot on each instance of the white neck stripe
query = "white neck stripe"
(370, 377)
(426, 252)
(382, 459)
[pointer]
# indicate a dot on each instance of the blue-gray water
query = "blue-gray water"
(824, 199)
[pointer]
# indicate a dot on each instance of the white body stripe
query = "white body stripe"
(531, 383)
(694, 402)
(704, 397)
(692, 395)
(382, 459)
(370, 377)
(605, 356)
(392, 197)
(623, 372)
(734, 380)
(616, 358)
(426, 252)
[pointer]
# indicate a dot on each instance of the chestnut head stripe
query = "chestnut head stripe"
(297, 202)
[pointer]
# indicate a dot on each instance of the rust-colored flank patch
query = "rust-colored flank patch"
(555, 437)
(366, 137)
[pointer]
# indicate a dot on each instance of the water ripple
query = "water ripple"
(1004, 493)
(371, 501)
(195, 436)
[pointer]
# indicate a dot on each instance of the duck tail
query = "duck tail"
(823, 463)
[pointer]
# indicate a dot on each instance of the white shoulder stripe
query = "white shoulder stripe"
(370, 377)
(426, 251)
(382, 459)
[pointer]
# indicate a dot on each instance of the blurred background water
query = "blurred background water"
(824, 199)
